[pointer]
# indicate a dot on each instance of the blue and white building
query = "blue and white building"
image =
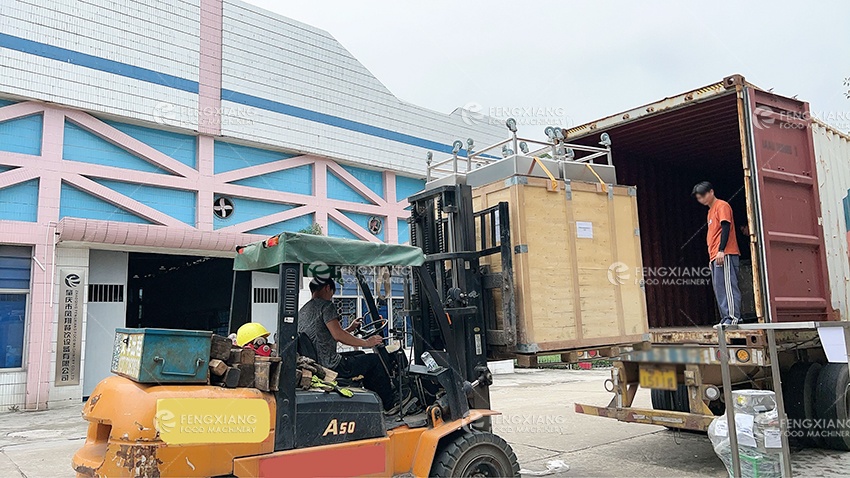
(141, 141)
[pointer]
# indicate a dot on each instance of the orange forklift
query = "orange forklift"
(443, 427)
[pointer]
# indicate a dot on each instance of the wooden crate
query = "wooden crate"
(568, 243)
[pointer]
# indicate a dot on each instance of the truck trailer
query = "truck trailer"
(783, 172)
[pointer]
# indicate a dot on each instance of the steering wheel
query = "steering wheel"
(372, 328)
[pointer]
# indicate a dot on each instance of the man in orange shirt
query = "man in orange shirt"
(723, 253)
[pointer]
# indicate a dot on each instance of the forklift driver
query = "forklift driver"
(319, 319)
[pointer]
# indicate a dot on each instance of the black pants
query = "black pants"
(375, 378)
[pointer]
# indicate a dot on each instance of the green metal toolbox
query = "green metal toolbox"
(162, 355)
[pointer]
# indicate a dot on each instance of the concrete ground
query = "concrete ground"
(538, 421)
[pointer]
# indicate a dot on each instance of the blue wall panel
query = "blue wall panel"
(336, 230)
(362, 220)
(82, 145)
(76, 203)
(20, 201)
(181, 147)
(291, 225)
(174, 202)
(337, 189)
(403, 231)
(248, 209)
(22, 135)
(230, 156)
(405, 187)
(6, 102)
(295, 180)
(373, 180)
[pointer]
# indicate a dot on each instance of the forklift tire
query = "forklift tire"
(798, 390)
(832, 404)
(475, 454)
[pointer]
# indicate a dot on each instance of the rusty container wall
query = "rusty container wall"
(576, 257)
(832, 150)
(790, 233)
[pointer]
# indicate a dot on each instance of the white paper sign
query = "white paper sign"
(772, 438)
(832, 339)
(744, 427)
(584, 229)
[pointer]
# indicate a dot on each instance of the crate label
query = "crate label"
(129, 350)
(584, 229)
(182, 421)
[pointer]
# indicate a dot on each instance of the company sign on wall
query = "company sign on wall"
(69, 336)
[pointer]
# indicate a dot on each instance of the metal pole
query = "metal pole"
(730, 404)
(780, 401)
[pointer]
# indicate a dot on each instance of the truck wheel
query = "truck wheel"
(680, 399)
(832, 404)
(661, 399)
(478, 454)
(798, 389)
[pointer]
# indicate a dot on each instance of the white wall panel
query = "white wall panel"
(51, 80)
(832, 150)
(154, 34)
(278, 59)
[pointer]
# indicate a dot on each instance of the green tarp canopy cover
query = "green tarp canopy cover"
(291, 247)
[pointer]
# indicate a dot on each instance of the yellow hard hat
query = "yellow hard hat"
(250, 331)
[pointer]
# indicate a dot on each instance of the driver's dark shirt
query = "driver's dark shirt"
(312, 320)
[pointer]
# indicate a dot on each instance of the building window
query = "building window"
(106, 292)
(14, 290)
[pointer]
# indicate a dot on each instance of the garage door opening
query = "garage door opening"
(665, 156)
(179, 292)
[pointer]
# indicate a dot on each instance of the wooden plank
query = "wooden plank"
(241, 355)
(246, 374)
(262, 376)
(220, 347)
(217, 367)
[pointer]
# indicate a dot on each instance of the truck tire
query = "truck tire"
(475, 454)
(832, 404)
(799, 386)
(661, 399)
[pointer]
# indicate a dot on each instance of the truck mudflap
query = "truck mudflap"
(670, 419)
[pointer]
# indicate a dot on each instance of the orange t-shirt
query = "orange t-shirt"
(718, 212)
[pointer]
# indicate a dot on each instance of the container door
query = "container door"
(792, 254)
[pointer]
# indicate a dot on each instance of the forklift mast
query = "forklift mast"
(443, 225)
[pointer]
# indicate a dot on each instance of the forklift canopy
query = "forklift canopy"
(295, 248)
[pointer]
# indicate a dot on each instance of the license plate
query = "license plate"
(663, 378)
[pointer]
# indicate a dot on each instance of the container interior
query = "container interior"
(664, 156)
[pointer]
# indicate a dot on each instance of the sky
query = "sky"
(568, 63)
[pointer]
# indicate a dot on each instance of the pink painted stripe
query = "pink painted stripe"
(209, 88)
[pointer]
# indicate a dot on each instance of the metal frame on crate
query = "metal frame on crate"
(556, 147)
(770, 330)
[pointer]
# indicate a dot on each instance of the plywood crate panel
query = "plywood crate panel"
(569, 244)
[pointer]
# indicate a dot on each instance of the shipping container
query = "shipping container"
(832, 150)
(756, 147)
